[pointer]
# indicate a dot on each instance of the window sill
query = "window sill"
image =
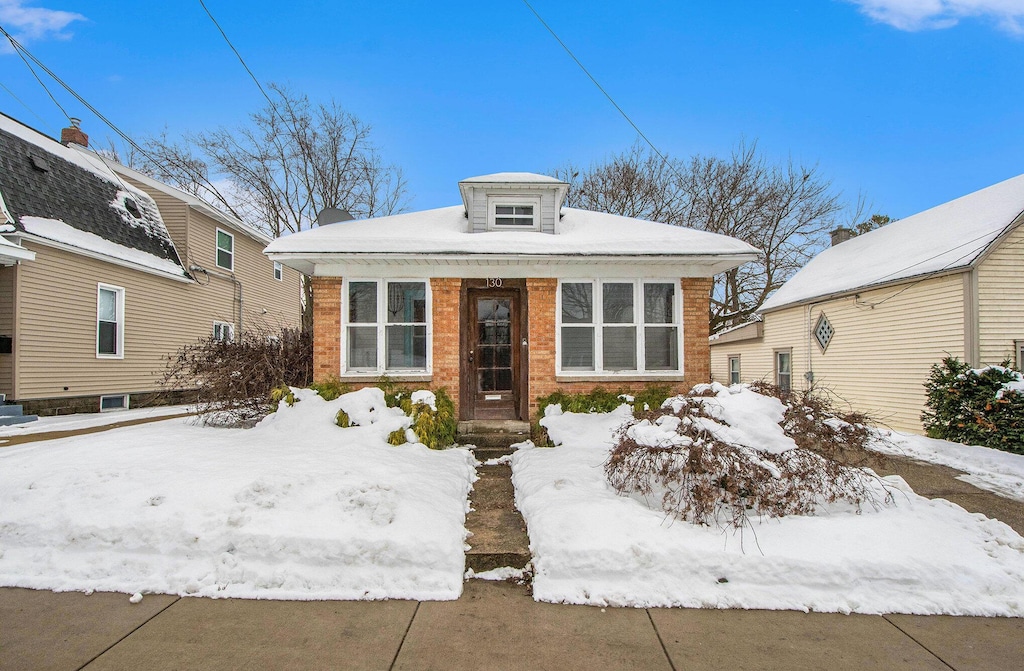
(375, 377)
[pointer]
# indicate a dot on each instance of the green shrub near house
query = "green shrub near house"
(596, 400)
(975, 406)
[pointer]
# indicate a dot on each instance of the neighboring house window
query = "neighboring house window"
(386, 325)
(109, 322)
(784, 369)
(513, 212)
(618, 326)
(225, 250)
(223, 331)
(734, 369)
(1020, 353)
(278, 270)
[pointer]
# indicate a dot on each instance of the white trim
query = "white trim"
(597, 324)
(278, 271)
(1019, 347)
(119, 320)
(217, 250)
(381, 327)
(127, 401)
(739, 370)
(496, 199)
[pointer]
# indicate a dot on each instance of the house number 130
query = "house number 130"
(493, 282)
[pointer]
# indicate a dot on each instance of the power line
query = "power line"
(240, 59)
(22, 103)
(600, 88)
(18, 50)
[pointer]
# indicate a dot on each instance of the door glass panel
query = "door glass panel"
(494, 355)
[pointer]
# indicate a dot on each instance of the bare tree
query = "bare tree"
(276, 172)
(783, 210)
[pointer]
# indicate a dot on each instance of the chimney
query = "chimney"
(74, 134)
(841, 234)
(332, 215)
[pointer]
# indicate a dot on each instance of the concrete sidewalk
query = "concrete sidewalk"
(493, 626)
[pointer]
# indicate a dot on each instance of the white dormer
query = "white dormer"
(512, 201)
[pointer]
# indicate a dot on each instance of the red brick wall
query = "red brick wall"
(326, 327)
(445, 322)
(696, 329)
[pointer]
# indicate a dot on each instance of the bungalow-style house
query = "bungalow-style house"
(106, 272)
(509, 296)
(868, 317)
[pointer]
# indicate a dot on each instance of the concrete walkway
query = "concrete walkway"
(493, 626)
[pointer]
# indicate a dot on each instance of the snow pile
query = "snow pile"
(592, 546)
(295, 508)
(985, 467)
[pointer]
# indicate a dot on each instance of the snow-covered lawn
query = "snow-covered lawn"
(591, 545)
(295, 508)
(77, 421)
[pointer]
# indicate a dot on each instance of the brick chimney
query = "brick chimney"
(841, 234)
(74, 133)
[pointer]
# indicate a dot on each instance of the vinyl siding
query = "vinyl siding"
(174, 212)
(1001, 299)
(548, 216)
(7, 276)
(878, 359)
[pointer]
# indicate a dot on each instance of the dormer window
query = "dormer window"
(520, 213)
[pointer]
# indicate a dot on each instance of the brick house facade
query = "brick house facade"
(511, 297)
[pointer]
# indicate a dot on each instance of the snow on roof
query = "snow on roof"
(444, 231)
(194, 201)
(88, 161)
(513, 177)
(950, 236)
(58, 231)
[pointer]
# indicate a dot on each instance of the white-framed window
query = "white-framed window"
(784, 369)
(223, 331)
(278, 271)
(619, 326)
(1020, 353)
(520, 213)
(734, 369)
(113, 402)
(225, 250)
(109, 322)
(386, 325)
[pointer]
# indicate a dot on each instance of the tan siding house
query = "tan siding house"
(123, 272)
(867, 318)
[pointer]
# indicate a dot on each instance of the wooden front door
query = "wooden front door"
(493, 361)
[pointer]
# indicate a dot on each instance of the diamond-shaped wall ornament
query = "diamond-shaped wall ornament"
(823, 332)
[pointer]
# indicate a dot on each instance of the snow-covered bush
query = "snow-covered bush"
(982, 406)
(785, 460)
(596, 400)
(433, 417)
(231, 383)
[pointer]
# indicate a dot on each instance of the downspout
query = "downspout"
(972, 344)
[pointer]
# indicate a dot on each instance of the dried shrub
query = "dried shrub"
(975, 406)
(232, 382)
(704, 480)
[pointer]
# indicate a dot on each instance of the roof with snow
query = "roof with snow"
(445, 231)
(945, 238)
(61, 195)
(513, 178)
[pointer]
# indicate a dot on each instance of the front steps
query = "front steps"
(12, 414)
(498, 530)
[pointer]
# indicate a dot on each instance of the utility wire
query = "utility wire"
(18, 50)
(601, 89)
(240, 59)
(22, 103)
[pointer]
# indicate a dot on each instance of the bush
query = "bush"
(233, 381)
(434, 428)
(704, 480)
(975, 406)
(330, 388)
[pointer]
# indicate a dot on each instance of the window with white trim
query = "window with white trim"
(225, 250)
(386, 326)
(114, 402)
(619, 326)
(278, 271)
(1020, 353)
(513, 212)
(223, 331)
(784, 369)
(734, 369)
(109, 322)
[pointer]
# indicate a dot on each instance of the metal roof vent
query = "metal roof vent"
(332, 215)
(133, 208)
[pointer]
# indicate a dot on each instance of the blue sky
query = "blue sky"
(909, 102)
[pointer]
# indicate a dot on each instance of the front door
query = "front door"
(493, 357)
